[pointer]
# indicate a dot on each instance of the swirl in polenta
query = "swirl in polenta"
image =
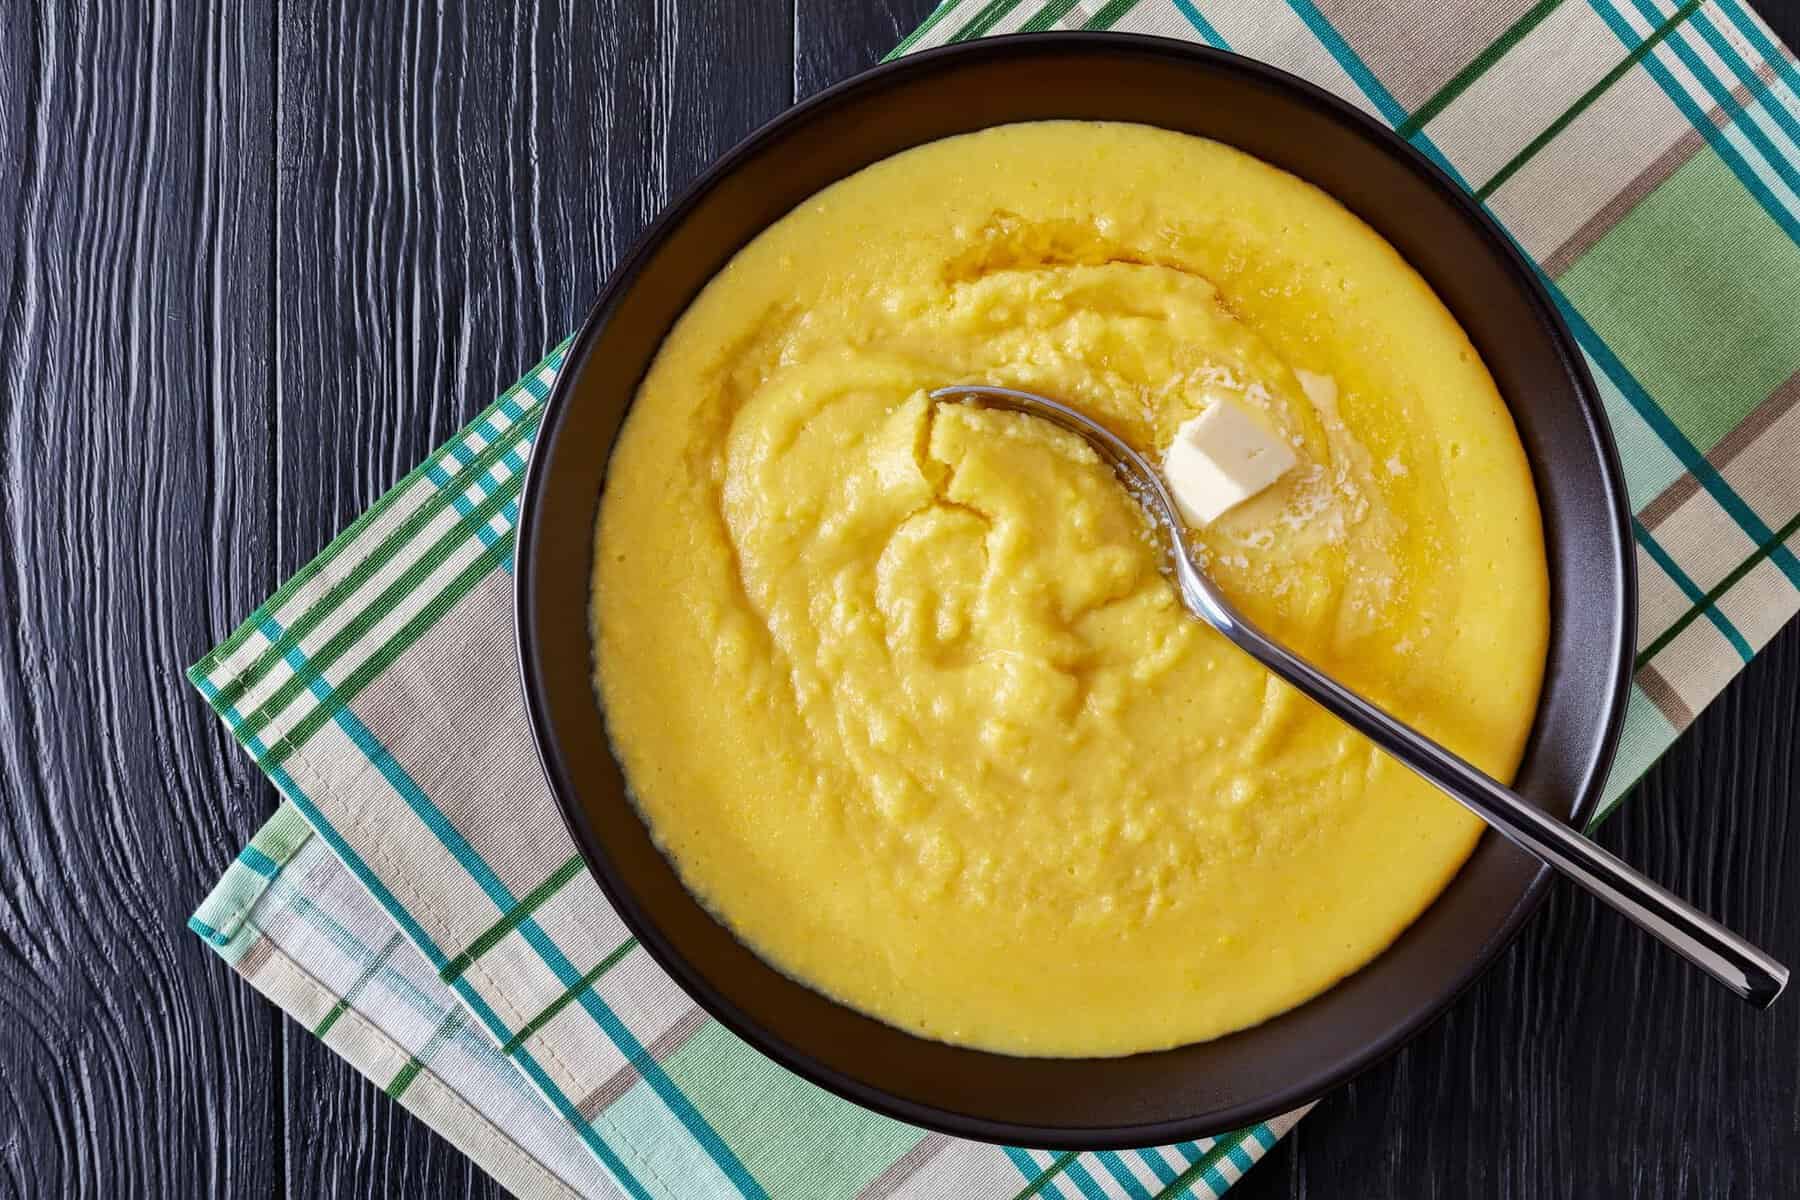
(900, 687)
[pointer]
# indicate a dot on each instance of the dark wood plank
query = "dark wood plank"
(134, 527)
(454, 187)
(833, 41)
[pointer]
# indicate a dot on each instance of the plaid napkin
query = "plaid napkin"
(417, 904)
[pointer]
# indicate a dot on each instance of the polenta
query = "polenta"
(900, 687)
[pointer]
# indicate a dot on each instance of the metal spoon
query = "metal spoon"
(1678, 925)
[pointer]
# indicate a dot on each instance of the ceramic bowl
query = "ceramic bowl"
(1192, 1091)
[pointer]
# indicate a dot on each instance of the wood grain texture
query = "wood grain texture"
(255, 261)
(135, 522)
(834, 40)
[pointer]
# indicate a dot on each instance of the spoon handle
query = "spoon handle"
(1668, 918)
(1674, 922)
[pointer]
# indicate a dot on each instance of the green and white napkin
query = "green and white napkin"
(416, 903)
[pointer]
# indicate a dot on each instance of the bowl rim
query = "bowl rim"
(531, 647)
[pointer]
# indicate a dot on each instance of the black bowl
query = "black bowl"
(1191, 1091)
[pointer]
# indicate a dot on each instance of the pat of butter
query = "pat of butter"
(1220, 459)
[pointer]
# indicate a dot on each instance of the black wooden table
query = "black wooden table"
(256, 260)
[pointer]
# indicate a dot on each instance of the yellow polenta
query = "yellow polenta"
(900, 687)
